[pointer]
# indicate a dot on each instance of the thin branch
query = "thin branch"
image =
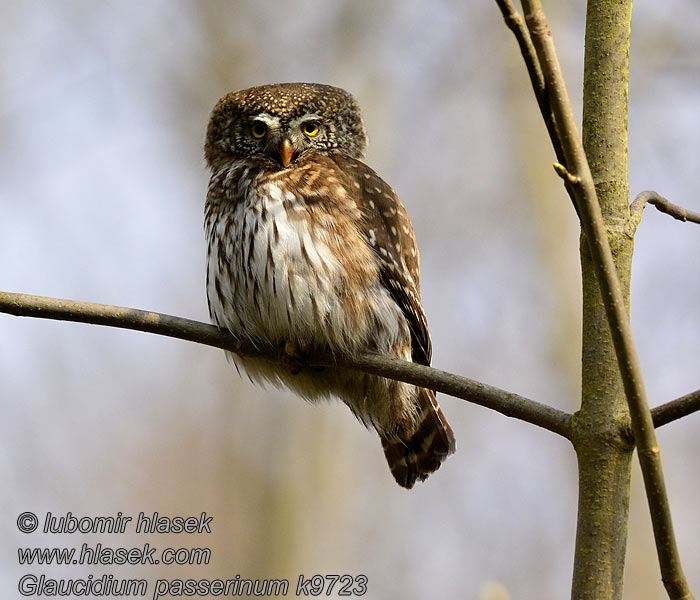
(676, 409)
(669, 412)
(511, 405)
(596, 235)
(515, 23)
(662, 205)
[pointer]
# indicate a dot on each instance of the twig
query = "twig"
(676, 409)
(630, 370)
(662, 205)
(515, 23)
(509, 404)
(669, 412)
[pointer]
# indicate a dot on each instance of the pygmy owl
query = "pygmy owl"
(308, 248)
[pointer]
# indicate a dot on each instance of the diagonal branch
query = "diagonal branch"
(596, 235)
(506, 403)
(662, 205)
(516, 24)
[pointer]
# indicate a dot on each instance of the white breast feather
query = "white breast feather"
(282, 309)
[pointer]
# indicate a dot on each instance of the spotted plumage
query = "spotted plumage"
(308, 248)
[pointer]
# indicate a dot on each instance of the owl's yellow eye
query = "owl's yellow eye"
(310, 128)
(258, 129)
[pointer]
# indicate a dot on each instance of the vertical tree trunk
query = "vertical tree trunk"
(604, 458)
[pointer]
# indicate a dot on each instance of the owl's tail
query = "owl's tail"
(422, 451)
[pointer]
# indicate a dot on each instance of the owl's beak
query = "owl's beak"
(286, 152)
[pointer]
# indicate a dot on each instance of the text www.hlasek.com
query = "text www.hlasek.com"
(99, 555)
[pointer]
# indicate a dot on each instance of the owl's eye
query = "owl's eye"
(258, 129)
(310, 128)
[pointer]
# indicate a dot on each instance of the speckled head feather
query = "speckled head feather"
(284, 103)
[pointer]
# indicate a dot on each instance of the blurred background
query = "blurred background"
(102, 117)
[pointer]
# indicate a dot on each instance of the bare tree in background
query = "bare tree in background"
(614, 416)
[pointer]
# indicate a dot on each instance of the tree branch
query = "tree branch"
(515, 23)
(597, 238)
(676, 409)
(662, 205)
(511, 405)
(669, 412)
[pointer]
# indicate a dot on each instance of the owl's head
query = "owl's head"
(278, 124)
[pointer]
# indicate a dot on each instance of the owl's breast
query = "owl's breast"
(283, 268)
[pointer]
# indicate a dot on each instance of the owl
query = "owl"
(309, 249)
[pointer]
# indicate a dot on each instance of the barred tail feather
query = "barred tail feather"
(422, 451)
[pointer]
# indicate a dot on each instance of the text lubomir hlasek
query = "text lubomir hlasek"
(154, 523)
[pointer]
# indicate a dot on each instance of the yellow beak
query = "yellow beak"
(286, 152)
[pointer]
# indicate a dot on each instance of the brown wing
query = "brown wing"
(389, 232)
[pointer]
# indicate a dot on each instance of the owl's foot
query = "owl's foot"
(295, 355)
